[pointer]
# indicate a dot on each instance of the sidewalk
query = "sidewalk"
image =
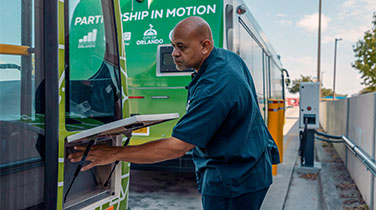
(332, 188)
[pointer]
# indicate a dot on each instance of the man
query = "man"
(232, 148)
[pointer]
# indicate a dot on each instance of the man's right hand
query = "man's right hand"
(98, 155)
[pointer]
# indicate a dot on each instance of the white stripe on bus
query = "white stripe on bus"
(124, 73)
(62, 77)
(125, 175)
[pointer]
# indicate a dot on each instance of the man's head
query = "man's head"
(192, 41)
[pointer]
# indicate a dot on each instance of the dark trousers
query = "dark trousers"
(248, 201)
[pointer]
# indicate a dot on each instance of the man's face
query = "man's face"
(187, 50)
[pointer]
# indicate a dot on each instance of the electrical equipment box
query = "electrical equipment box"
(309, 104)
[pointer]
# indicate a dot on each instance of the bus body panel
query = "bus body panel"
(157, 101)
(143, 35)
(147, 27)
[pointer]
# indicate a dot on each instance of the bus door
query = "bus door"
(92, 92)
(22, 123)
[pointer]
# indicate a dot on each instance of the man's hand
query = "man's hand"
(98, 155)
(151, 152)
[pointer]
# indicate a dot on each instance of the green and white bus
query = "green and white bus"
(155, 86)
(62, 77)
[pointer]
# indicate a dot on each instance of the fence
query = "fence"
(355, 118)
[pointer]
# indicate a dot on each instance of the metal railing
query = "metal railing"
(357, 151)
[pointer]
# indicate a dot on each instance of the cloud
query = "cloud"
(311, 22)
(281, 15)
(353, 19)
(349, 3)
(284, 22)
(358, 8)
(347, 79)
(304, 65)
(351, 33)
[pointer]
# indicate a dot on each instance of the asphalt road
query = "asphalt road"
(155, 190)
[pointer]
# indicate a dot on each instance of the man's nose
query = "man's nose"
(175, 52)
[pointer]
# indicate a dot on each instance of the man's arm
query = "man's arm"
(151, 152)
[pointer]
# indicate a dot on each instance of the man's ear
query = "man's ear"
(206, 45)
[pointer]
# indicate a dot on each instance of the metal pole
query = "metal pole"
(49, 53)
(322, 77)
(373, 154)
(309, 149)
(26, 61)
(335, 62)
(318, 47)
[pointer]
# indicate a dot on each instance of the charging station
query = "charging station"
(309, 104)
(308, 121)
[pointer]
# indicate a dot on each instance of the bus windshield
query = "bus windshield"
(93, 79)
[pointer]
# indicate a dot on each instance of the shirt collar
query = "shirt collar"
(204, 66)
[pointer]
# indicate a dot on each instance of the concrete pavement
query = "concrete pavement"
(330, 189)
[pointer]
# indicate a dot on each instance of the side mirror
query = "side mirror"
(287, 82)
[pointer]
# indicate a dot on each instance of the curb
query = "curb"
(329, 197)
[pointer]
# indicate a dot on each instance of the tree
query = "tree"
(327, 92)
(295, 83)
(365, 53)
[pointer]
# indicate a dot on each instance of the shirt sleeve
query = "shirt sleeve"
(203, 118)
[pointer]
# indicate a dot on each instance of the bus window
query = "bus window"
(21, 116)
(165, 63)
(93, 79)
(252, 54)
(275, 81)
(266, 76)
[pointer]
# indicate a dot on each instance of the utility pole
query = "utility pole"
(319, 46)
(335, 62)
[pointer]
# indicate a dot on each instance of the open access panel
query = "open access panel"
(101, 181)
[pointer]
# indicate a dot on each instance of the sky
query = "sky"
(292, 28)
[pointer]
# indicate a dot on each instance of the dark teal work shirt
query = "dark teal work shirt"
(234, 149)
